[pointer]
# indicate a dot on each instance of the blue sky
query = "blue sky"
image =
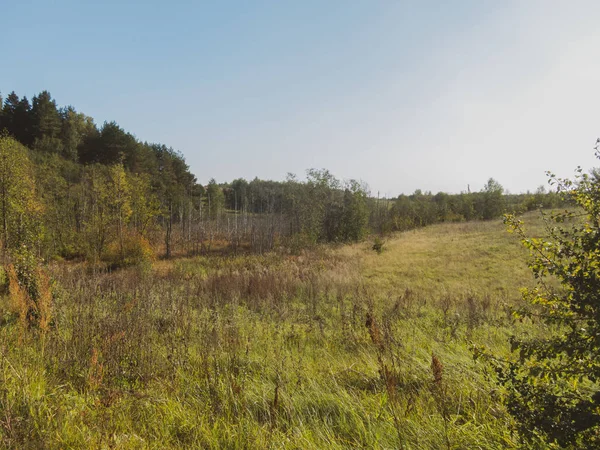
(403, 95)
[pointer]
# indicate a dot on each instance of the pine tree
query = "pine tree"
(46, 120)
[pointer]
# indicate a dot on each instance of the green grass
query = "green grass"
(330, 349)
(481, 257)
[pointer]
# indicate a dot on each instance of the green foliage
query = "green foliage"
(29, 289)
(75, 129)
(19, 208)
(424, 208)
(58, 183)
(80, 205)
(16, 118)
(46, 120)
(327, 210)
(378, 245)
(25, 264)
(553, 385)
(215, 199)
(145, 205)
(98, 221)
(492, 200)
(110, 146)
(355, 212)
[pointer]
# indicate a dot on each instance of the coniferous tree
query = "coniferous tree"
(17, 118)
(9, 110)
(46, 124)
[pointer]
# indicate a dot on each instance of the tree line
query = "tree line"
(72, 189)
(420, 209)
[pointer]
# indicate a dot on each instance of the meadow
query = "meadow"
(335, 347)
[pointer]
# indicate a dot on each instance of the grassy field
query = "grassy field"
(335, 348)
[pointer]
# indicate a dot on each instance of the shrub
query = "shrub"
(553, 388)
(29, 290)
(378, 245)
(136, 251)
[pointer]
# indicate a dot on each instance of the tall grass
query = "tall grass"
(323, 350)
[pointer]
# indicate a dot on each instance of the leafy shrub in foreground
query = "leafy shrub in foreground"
(553, 388)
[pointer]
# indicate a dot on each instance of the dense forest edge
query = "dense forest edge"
(74, 190)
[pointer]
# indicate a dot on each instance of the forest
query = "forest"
(143, 308)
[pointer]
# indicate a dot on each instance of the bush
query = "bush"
(29, 290)
(553, 383)
(136, 251)
(378, 245)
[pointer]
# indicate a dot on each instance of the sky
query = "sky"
(403, 95)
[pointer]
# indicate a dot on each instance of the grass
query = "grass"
(450, 258)
(336, 348)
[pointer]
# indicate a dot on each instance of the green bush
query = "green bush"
(552, 383)
(378, 245)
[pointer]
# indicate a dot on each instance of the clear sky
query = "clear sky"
(401, 94)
